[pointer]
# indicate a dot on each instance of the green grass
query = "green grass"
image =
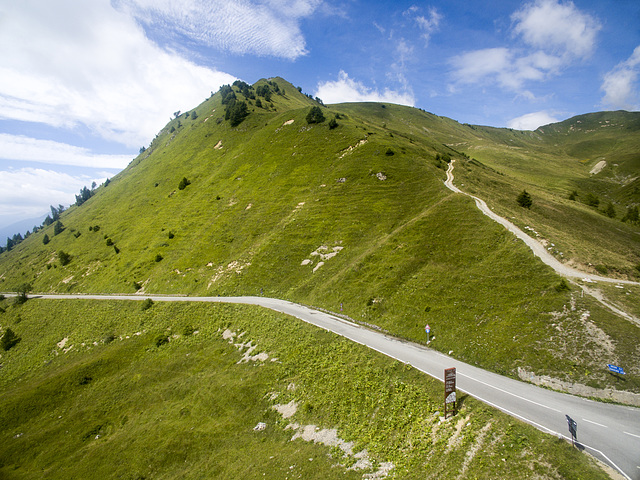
(275, 192)
(125, 408)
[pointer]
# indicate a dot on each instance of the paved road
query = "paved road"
(608, 432)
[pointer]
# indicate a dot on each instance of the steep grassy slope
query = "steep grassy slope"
(91, 392)
(354, 218)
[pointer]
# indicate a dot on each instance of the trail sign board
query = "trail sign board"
(616, 369)
(449, 392)
(427, 328)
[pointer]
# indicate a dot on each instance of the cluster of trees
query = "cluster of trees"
(630, 216)
(316, 99)
(53, 217)
(236, 110)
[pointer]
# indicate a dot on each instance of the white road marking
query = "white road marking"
(598, 424)
(633, 435)
(509, 393)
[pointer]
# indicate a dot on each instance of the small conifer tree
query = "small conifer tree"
(524, 199)
(315, 115)
(9, 340)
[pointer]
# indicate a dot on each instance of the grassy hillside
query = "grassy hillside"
(108, 390)
(583, 174)
(356, 218)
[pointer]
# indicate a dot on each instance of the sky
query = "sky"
(85, 83)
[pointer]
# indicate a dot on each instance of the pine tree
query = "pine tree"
(315, 115)
(9, 340)
(524, 199)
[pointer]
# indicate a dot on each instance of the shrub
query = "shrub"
(116, 249)
(592, 200)
(610, 210)
(573, 195)
(171, 235)
(9, 340)
(601, 269)
(58, 228)
(188, 330)
(136, 285)
(389, 152)
(109, 242)
(158, 257)
(563, 286)
(45, 239)
(161, 340)
(315, 115)
(146, 304)
(524, 199)
(64, 257)
(183, 183)
(632, 215)
(333, 123)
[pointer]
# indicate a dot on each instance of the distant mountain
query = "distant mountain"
(20, 227)
(262, 190)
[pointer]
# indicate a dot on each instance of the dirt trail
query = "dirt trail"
(541, 252)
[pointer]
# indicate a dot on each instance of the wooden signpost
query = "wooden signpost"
(449, 392)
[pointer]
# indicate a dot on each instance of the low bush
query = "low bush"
(9, 340)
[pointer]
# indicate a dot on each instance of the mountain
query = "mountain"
(20, 227)
(250, 193)
(357, 217)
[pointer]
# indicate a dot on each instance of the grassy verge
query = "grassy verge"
(122, 403)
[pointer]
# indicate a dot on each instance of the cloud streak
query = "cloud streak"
(264, 28)
(25, 149)
(67, 63)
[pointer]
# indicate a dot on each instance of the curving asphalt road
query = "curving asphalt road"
(608, 432)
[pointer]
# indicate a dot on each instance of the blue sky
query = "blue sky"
(85, 83)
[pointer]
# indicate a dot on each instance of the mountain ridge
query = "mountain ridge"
(354, 217)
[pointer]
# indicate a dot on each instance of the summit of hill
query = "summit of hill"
(262, 189)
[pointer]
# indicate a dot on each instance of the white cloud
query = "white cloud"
(28, 192)
(22, 148)
(503, 66)
(346, 89)
(620, 85)
(428, 24)
(478, 64)
(558, 27)
(554, 35)
(532, 121)
(66, 63)
(261, 27)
